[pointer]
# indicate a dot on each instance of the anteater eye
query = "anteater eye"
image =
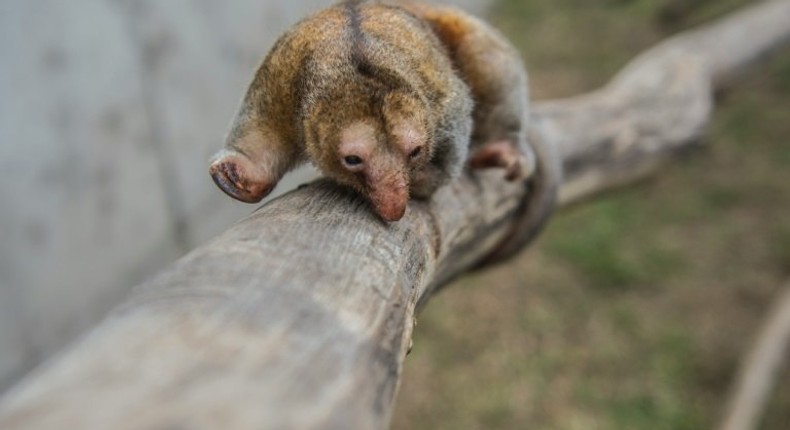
(352, 161)
(415, 152)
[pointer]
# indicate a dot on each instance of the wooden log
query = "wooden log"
(300, 315)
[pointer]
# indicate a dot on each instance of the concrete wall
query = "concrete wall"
(109, 111)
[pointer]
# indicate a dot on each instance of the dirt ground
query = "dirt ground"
(633, 309)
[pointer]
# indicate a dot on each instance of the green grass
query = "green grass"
(633, 310)
(603, 242)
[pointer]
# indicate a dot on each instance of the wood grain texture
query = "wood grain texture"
(300, 315)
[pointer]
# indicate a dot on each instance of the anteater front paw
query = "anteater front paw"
(239, 178)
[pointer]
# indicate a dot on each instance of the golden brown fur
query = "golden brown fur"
(380, 96)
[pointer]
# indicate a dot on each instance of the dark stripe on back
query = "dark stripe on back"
(358, 57)
(360, 48)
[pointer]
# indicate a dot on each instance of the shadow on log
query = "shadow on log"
(300, 316)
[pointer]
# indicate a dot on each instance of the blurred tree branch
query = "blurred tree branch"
(760, 369)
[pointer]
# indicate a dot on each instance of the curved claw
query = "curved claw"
(236, 175)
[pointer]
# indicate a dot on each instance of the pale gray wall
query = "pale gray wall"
(109, 111)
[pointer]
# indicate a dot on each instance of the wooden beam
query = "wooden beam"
(300, 315)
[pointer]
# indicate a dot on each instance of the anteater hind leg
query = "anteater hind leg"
(498, 83)
(494, 73)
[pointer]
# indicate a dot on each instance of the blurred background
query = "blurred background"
(631, 311)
